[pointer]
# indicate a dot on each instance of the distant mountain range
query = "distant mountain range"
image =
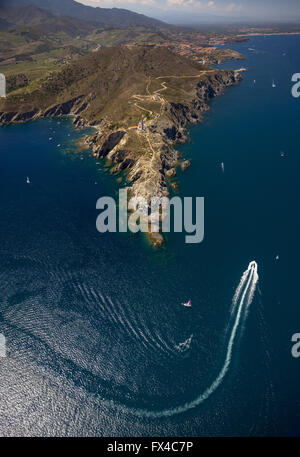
(102, 17)
(39, 20)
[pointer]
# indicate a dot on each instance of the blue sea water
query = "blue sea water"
(94, 323)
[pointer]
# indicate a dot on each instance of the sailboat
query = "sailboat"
(223, 167)
(27, 180)
(273, 83)
(188, 304)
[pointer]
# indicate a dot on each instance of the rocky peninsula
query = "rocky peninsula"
(140, 100)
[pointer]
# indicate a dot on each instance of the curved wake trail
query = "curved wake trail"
(242, 299)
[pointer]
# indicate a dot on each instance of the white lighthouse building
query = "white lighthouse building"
(141, 126)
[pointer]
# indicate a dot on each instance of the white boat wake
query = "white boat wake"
(241, 301)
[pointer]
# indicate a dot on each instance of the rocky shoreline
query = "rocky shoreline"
(148, 157)
(147, 175)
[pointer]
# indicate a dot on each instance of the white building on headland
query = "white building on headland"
(2, 85)
(141, 126)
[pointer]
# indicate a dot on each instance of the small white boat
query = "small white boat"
(273, 84)
(277, 257)
(188, 304)
(223, 167)
(27, 180)
(282, 154)
(254, 82)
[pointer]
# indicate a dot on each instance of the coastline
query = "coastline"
(148, 177)
(270, 34)
(145, 154)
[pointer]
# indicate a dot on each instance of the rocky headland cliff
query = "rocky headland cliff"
(139, 99)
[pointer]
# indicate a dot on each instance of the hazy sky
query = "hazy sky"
(195, 9)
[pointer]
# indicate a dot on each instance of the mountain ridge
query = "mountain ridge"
(106, 17)
(33, 17)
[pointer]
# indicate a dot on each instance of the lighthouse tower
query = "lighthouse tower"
(141, 126)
